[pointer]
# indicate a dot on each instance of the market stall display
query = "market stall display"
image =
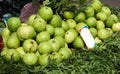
(49, 41)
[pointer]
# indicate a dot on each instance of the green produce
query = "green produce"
(23, 24)
(68, 14)
(80, 17)
(71, 23)
(111, 20)
(78, 43)
(65, 26)
(38, 54)
(55, 44)
(2, 25)
(56, 21)
(42, 37)
(39, 24)
(110, 31)
(12, 54)
(98, 40)
(59, 31)
(93, 31)
(101, 16)
(80, 25)
(5, 34)
(49, 42)
(13, 41)
(103, 33)
(116, 27)
(30, 45)
(100, 25)
(74, 31)
(50, 29)
(45, 47)
(31, 19)
(96, 5)
(4, 52)
(91, 21)
(44, 59)
(30, 59)
(46, 13)
(57, 57)
(106, 10)
(26, 32)
(21, 51)
(14, 23)
(61, 40)
(69, 36)
(89, 11)
(65, 52)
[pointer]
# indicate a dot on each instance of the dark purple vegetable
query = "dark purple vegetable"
(27, 10)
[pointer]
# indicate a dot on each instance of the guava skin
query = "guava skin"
(26, 32)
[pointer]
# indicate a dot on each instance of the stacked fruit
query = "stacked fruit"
(48, 37)
(101, 21)
(98, 17)
(38, 40)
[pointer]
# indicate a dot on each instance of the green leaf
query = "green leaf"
(82, 1)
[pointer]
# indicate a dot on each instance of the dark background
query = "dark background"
(12, 6)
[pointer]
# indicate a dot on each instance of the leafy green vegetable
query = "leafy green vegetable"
(2, 25)
(104, 59)
(59, 6)
(116, 11)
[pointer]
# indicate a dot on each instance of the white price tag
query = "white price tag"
(87, 37)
